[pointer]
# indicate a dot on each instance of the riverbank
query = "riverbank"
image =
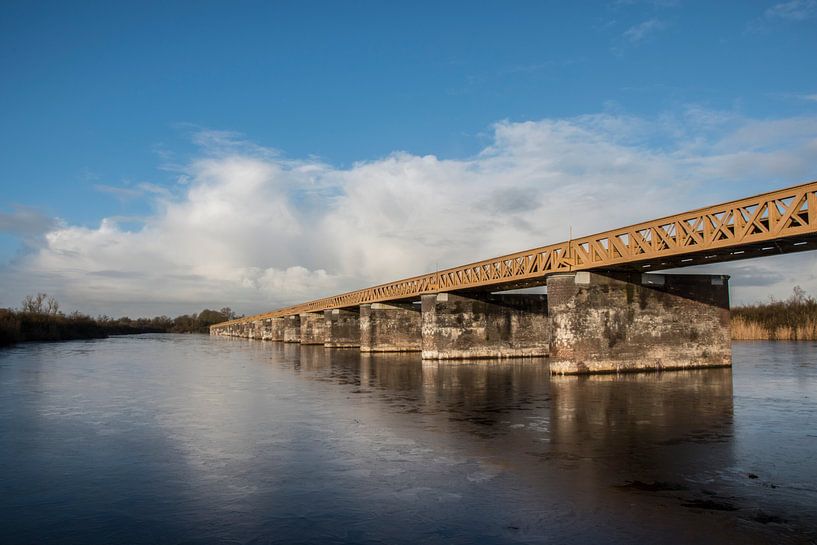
(39, 319)
(16, 327)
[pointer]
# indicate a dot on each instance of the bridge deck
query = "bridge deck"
(777, 222)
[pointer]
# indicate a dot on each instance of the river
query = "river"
(195, 439)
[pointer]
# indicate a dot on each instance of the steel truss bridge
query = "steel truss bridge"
(778, 222)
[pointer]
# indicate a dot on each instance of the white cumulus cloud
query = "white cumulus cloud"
(254, 230)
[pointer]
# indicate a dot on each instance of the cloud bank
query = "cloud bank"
(252, 229)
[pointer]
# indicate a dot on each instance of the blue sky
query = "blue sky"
(109, 109)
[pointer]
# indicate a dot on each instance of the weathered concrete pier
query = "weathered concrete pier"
(292, 329)
(342, 328)
(276, 329)
(313, 328)
(390, 327)
(480, 326)
(635, 322)
(606, 309)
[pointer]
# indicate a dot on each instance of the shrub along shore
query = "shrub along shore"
(39, 319)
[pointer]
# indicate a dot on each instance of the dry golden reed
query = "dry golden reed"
(794, 319)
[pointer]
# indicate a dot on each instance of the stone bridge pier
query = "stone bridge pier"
(313, 328)
(277, 326)
(484, 325)
(257, 330)
(342, 328)
(292, 329)
(393, 327)
(614, 322)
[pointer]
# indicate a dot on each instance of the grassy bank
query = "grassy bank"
(794, 319)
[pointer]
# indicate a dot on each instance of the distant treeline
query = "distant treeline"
(794, 319)
(39, 319)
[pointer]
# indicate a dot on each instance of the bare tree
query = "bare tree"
(52, 306)
(27, 304)
(798, 295)
(34, 303)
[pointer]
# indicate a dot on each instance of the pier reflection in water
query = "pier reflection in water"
(622, 442)
(273, 442)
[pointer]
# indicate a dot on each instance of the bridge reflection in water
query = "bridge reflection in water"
(587, 417)
(652, 451)
(656, 452)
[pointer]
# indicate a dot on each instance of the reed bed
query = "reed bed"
(794, 319)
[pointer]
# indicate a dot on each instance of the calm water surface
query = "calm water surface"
(192, 439)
